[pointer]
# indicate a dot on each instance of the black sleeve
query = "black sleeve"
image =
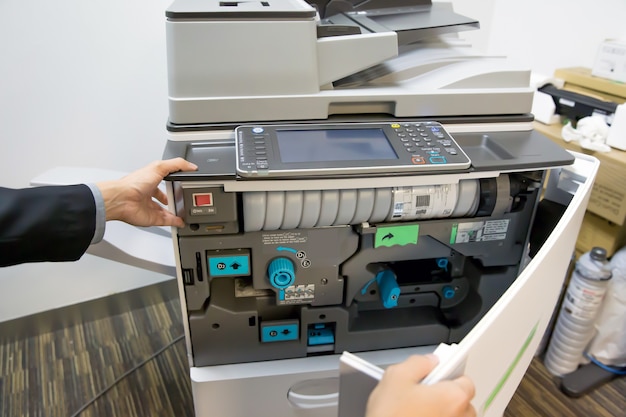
(53, 223)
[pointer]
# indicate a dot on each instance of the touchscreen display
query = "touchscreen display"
(333, 145)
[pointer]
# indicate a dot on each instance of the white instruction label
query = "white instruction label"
(297, 294)
(424, 202)
(486, 231)
(284, 238)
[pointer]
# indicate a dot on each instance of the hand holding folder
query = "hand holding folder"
(364, 392)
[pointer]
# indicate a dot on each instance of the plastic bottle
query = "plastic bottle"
(609, 344)
(574, 327)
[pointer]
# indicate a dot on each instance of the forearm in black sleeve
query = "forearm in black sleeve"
(54, 223)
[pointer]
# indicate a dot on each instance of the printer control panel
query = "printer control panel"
(346, 149)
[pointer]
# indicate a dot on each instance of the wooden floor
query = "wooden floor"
(57, 373)
(539, 395)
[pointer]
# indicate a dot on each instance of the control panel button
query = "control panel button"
(438, 160)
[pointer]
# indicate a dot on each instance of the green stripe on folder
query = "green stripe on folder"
(507, 374)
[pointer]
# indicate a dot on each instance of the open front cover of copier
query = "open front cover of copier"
(366, 183)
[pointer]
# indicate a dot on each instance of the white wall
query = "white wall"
(544, 35)
(83, 83)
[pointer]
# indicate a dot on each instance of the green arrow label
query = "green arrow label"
(396, 235)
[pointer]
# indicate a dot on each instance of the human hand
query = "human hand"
(131, 198)
(400, 394)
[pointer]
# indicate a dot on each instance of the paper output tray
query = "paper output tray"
(411, 23)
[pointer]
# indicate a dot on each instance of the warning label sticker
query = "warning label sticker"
(284, 238)
(482, 231)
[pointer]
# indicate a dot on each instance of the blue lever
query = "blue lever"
(388, 287)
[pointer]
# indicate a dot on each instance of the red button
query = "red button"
(200, 200)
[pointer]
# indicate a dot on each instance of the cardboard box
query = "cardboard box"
(608, 195)
(580, 80)
(597, 231)
(611, 61)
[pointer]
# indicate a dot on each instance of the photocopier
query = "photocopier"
(367, 183)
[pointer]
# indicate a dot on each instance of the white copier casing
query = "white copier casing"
(279, 61)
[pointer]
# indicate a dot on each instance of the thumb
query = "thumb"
(415, 368)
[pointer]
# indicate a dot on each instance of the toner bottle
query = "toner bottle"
(574, 327)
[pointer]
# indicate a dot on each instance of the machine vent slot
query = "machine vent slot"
(199, 266)
(188, 276)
